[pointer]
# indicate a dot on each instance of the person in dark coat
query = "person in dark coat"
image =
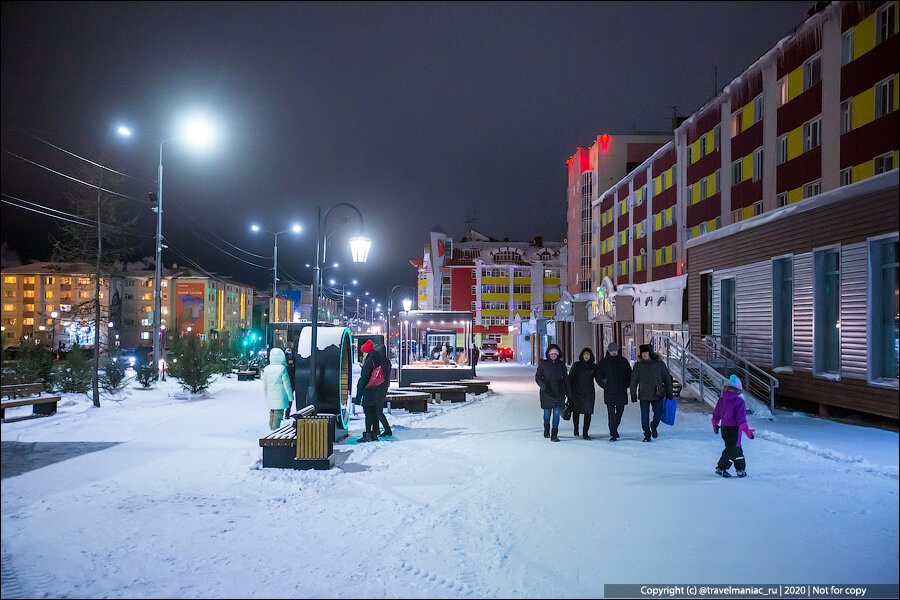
(383, 389)
(651, 383)
(370, 398)
(553, 379)
(582, 376)
(614, 375)
(475, 356)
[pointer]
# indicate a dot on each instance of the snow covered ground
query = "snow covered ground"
(468, 500)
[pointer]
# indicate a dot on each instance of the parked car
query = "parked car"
(488, 351)
(504, 353)
(131, 356)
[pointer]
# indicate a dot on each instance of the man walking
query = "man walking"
(651, 383)
(614, 375)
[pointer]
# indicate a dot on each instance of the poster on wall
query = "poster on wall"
(189, 299)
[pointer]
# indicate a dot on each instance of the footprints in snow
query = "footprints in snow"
(451, 585)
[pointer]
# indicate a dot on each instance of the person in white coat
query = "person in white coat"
(277, 387)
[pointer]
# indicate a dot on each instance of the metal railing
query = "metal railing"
(754, 379)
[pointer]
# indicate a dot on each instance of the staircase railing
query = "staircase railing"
(754, 379)
(687, 368)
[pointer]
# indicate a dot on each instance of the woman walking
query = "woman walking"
(582, 376)
(553, 379)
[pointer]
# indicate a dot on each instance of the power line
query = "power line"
(87, 160)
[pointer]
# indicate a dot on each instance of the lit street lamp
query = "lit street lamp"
(332, 282)
(296, 229)
(359, 249)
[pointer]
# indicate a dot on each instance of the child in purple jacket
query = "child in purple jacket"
(732, 413)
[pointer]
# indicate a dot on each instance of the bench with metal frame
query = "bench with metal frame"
(307, 443)
(33, 392)
(412, 400)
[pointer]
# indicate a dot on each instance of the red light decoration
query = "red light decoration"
(604, 141)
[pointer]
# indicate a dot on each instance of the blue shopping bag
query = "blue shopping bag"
(669, 406)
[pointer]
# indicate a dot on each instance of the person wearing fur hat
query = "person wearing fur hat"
(553, 379)
(651, 383)
(614, 374)
(730, 415)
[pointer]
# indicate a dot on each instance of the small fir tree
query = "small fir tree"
(74, 375)
(192, 364)
(113, 379)
(34, 364)
(145, 371)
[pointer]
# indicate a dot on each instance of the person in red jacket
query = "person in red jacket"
(731, 412)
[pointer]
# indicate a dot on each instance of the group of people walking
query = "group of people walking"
(649, 382)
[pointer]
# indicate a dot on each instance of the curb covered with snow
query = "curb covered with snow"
(892, 472)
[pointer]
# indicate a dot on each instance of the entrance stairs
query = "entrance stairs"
(706, 378)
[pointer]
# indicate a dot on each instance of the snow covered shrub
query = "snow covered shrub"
(74, 375)
(34, 364)
(192, 364)
(113, 379)
(145, 371)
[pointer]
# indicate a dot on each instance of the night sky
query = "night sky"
(418, 114)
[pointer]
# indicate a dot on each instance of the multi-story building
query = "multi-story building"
(52, 303)
(501, 282)
(815, 113)
(216, 307)
(609, 159)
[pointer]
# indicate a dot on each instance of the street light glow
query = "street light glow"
(296, 228)
(359, 248)
(199, 131)
(254, 227)
(123, 131)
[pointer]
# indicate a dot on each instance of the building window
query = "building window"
(758, 109)
(28, 321)
(782, 312)
(719, 222)
(812, 189)
(9, 307)
(9, 279)
(49, 280)
(703, 189)
(736, 123)
(690, 194)
(551, 273)
(883, 164)
(473, 306)
(781, 200)
(782, 146)
(28, 293)
(827, 312)
(846, 176)
(884, 97)
(718, 180)
(782, 91)
(757, 208)
(886, 22)
(737, 172)
(737, 216)
(703, 145)
(812, 134)
(812, 72)
(846, 116)
(717, 137)
(702, 228)
(884, 293)
(847, 47)
(757, 164)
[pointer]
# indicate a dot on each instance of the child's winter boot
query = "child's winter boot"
(723, 473)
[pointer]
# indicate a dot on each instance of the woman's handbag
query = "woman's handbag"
(669, 406)
(376, 379)
(567, 411)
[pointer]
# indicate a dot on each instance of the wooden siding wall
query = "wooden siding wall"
(849, 223)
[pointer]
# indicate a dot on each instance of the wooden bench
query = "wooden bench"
(447, 391)
(247, 375)
(41, 405)
(412, 400)
(315, 450)
(473, 386)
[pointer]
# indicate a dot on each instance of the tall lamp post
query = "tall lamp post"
(359, 248)
(332, 282)
(296, 229)
(390, 315)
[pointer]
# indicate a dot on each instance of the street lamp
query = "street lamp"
(296, 229)
(200, 132)
(332, 282)
(359, 246)
(388, 321)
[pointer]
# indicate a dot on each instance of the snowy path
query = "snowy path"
(469, 501)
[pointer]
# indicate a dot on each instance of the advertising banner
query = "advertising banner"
(189, 304)
(439, 246)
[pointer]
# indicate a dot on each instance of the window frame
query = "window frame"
(809, 73)
(820, 295)
(758, 164)
(737, 172)
(786, 364)
(758, 108)
(781, 155)
(848, 172)
(884, 22)
(847, 47)
(846, 116)
(876, 328)
(879, 162)
(809, 186)
(884, 92)
(812, 133)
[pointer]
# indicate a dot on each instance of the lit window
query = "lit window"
(49, 280)
(9, 279)
(782, 91)
(28, 321)
(28, 293)
(9, 307)
(48, 294)
(736, 123)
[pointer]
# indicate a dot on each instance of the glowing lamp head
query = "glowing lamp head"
(296, 229)
(359, 248)
(407, 304)
(255, 228)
